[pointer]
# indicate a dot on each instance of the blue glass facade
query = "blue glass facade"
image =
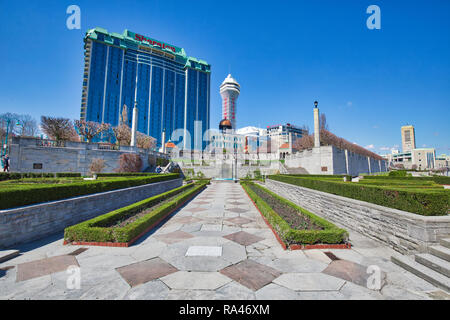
(171, 89)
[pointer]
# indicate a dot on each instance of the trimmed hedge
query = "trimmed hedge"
(427, 202)
(96, 230)
(126, 174)
(18, 175)
(436, 179)
(330, 234)
(26, 195)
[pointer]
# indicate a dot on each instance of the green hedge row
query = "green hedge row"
(323, 176)
(31, 194)
(97, 230)
(126, 174)
(18, 175)
(427, 202)
(330, 234)
(436, 179)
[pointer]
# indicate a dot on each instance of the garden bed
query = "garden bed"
(19, 193)
(294, 226)
(122, 227)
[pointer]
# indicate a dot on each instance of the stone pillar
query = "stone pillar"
(316, 128)
(163, 142)
(134, 125)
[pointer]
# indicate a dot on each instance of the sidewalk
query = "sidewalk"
(215, 247)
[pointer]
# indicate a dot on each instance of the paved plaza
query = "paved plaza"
(215, 247)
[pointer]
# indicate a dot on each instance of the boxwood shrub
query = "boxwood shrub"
(436, 179)
(99, 229)
(20, 175)
(330, 234)
(126, 174)
(12, 197)
(428, 202)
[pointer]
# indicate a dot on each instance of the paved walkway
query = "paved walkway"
(216, 247)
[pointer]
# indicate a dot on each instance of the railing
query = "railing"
(107, 146)
(50, 143)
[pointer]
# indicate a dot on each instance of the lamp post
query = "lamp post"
(5, 142)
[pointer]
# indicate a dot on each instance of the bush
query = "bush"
(97, 165)
(398, 173)
(130, 162)
(68, 175)
(97, 230)
(18, 175)
(162, 162)
(126, 174)
(431, 202)
(26, 195)
(330, 234)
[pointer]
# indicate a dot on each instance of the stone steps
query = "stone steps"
(446, 243)
(433, 262)
(441, 252)
(433, 277)
(433, 267)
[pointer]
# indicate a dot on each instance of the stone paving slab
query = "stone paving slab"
(39, 268)
(145, 271)
(204, 251)
(309, 282)
(243, 238)
(195, 280)
(351, 271)
(174, 237)
(251, 274)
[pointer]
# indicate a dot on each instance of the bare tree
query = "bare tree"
(305, 142)
(123, 134)
(90, 129)
(130, 162)
(329, 139)
(58, 129)
(323, 122)
(20, 124)
(97, 165)
(144, 141)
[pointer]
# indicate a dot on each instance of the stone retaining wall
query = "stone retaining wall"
(405, 232)
(25, 224)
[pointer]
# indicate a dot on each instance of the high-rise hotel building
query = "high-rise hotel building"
(171, 90)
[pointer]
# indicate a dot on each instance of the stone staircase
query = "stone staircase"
(433, 266)
(287, 170)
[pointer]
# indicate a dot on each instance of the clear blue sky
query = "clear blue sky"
(285, 55)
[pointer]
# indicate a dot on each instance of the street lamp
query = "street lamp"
(5, 143)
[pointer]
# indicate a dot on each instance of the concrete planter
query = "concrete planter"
(405, 232)
(25, 224)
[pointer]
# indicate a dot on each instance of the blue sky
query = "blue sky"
(285, 55)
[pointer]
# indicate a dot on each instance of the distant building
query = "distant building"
(283, 137)
(442, 161)
(424, 158)
(408, 138)
(171, 90)
(412, 157)
(229, 90)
